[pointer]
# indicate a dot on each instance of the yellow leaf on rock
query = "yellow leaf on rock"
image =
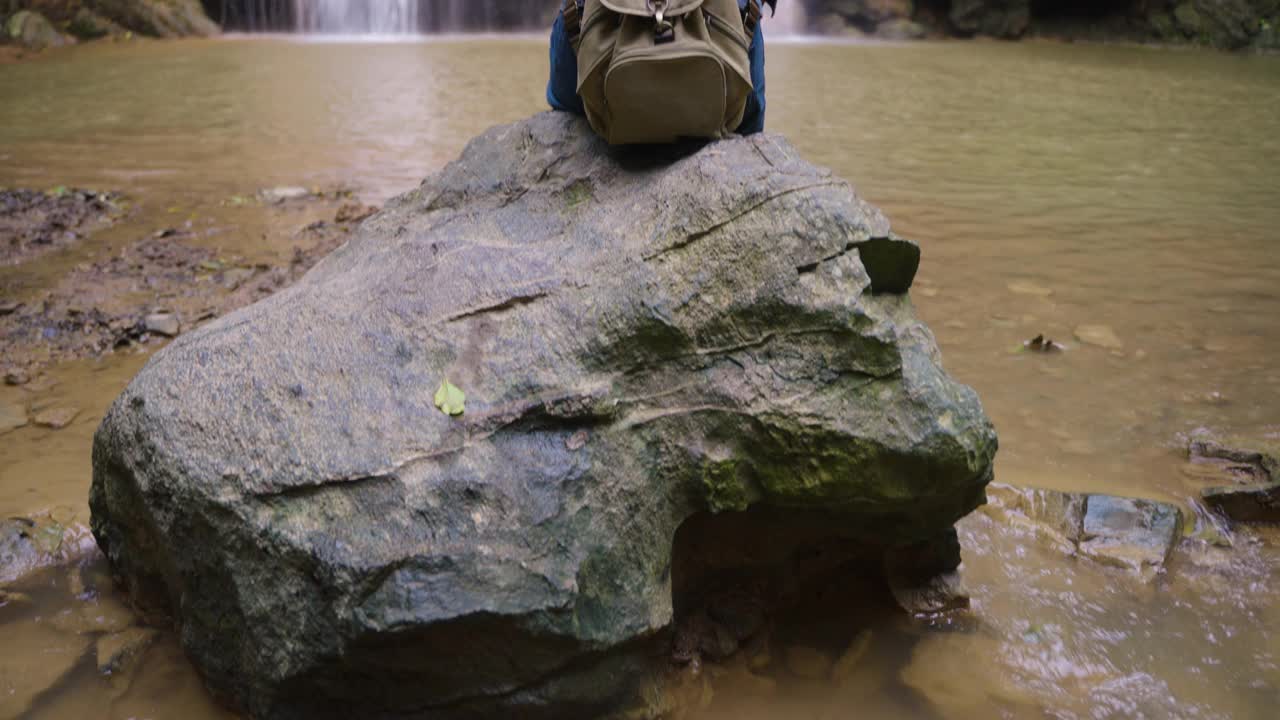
(450, 399)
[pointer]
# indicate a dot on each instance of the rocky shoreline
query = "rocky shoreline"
(163, 283)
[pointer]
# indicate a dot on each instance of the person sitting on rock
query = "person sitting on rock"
(570, 27)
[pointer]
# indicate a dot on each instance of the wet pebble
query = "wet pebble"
(16, 376)
(1100, 335)
(283, 193)
(163, 323)
(56, 418)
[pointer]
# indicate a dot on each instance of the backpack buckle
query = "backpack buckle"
(663, 31)
(572, 15)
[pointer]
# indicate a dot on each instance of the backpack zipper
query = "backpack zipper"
(724, 27)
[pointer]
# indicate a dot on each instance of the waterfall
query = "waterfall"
(788, 21)
(406, 17)
(374, 17)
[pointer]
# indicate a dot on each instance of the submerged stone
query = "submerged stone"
(1134, 534)
(1130, 533)
(56, 418)
(1255, 462)
(647, 339)
(29, 544)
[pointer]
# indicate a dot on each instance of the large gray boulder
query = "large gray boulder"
(644, 338)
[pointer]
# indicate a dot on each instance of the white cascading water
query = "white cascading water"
(357, 17)
(788, 21)
(405, 17)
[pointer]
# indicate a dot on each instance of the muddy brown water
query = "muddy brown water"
(1051, 187)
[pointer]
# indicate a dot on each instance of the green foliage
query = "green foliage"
(450, 399)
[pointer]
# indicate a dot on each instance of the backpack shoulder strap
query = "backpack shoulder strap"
(751, 15)
(571, 11)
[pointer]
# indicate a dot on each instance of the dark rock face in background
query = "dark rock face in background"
(91, 19)
(692, 342)
(995, 18)
(1228, 24)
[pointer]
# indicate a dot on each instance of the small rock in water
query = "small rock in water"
(16, 376)
(9, 307)
(12, 417)
(28, 544)
(56, 418)
(1101, 335)
(1130, 533)
(1256, 464)
(163, 324)
(940, 594)
(283, 193)
(1042, 344)
(1026, 287)
(1249, 503)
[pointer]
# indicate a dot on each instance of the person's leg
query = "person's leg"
(753, 120)
(562, 87)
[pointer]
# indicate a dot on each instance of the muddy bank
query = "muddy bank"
(34, 222)
(155, 287)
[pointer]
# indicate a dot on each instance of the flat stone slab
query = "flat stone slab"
(1133, 534)
(1129, 533)
(1254, 462)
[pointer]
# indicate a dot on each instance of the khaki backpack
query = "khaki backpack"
(655, 71)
